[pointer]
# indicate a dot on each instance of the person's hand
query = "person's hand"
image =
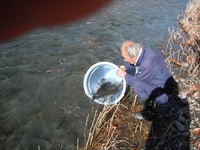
(121, 72)
(123, 67)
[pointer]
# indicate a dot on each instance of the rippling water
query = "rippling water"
(42, 101)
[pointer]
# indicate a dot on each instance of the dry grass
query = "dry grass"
(115, 127)
(190, 23)
(183, 47)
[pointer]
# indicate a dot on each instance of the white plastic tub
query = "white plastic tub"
(93, 77)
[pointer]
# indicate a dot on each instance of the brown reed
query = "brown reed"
(115, 127)
(183, 48)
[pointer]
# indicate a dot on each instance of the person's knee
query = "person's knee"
(143, 89)
(162, 99)
(140, 91)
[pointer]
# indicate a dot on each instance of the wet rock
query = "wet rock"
(180, 145)
(181, 119)
(184, 101)
(186, 134)
(179, 126)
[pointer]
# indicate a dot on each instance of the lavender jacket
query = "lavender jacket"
(151, 69)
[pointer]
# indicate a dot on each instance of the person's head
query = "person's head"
(130, 51)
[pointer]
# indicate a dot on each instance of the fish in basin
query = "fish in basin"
(107, 88)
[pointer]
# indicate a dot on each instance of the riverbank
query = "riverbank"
(115, 128)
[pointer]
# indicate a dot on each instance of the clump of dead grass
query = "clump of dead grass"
(115, 127)
(183, 48)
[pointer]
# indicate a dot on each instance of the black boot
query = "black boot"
(145, 115)
(148, 113)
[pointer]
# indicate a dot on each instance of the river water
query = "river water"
(42, 101)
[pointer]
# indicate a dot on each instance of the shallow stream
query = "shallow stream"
(42, 101)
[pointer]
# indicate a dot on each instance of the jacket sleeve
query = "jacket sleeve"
(146, 73)
(129, 67)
